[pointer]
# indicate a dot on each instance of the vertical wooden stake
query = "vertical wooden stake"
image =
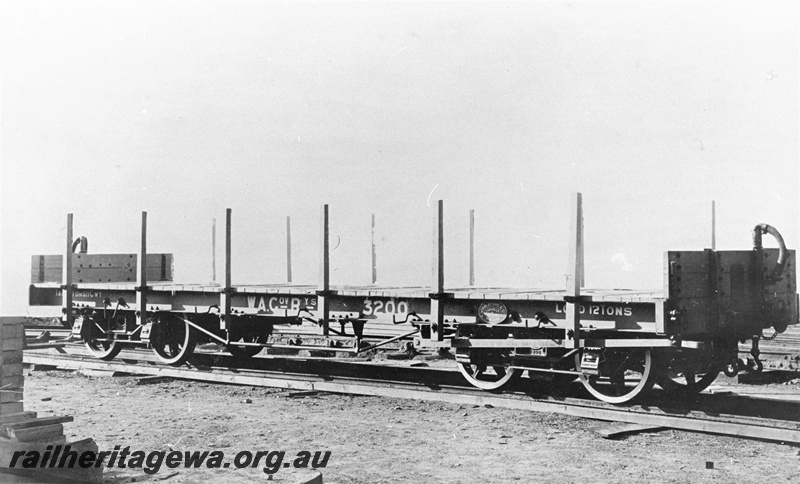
(713, 225)
(574, 275)
(289, 249)
(325, 270)
(374, 256)
(213, 251)
(438, 249)
(323, 302)
(580, 246)
(66, 294)
(437, 286)
(227, 291)
(141, 276)
(228, 248)
(472, 247)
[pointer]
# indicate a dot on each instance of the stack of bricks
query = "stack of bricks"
(23, 433)
(12, 339)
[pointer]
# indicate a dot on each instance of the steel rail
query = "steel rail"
(730, 425)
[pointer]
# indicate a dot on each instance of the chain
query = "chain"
(769, 338)
(755, 365)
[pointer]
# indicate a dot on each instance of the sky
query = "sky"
(182, 109)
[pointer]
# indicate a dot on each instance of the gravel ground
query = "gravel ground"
(383, 440)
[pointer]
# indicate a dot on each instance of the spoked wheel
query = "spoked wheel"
(686, 383)
(493, 378)
(487, 377)
(105, 350)
(100, 347)
(173, 341)
(247, 351)
(625, 374)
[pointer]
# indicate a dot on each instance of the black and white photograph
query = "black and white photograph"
(357, 242)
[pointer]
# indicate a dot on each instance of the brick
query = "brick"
(10, 396)
(11, 357)
(17, 417)
(8, 331)
(14, 381)
(12, 343)
(11, 370)
(13, 407)
(36, 433)
(39, 422)
(16, 330)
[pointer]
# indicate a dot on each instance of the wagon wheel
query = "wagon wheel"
(625, 374)
(105, 349)
(492, 378)
(173, 341)
(686, 383)
(247, 351)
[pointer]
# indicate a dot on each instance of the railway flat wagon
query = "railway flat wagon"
(618, 343)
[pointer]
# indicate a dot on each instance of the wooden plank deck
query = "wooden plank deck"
(510, 293)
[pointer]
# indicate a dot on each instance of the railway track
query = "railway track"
(786, 342)
(731, 415)
(782, 352)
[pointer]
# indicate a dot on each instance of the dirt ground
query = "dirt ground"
(378, 440)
